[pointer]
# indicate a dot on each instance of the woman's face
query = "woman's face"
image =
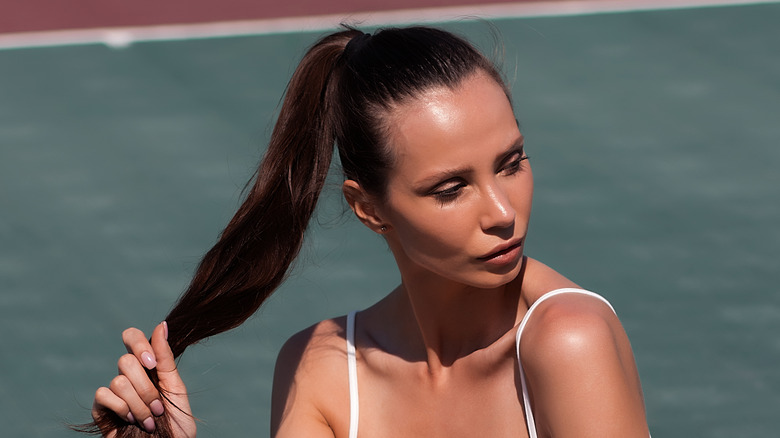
(459, 194)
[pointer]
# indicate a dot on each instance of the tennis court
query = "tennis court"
(654, 139)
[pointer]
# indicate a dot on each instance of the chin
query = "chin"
(492, 280)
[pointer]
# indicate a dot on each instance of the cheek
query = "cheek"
(432, 233)
(525, 194)
(520, 192)
(429, 235)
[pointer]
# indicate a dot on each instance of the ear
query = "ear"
(364, 206)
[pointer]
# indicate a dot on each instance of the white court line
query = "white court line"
(119, 37)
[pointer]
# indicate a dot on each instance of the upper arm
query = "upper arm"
(581, 373)
(306, 373)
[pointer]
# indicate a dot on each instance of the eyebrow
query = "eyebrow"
(517, 146)
(424, 185)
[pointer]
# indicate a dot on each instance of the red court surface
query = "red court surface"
(41, 15)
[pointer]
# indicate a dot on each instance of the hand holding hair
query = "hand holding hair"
(132, 395)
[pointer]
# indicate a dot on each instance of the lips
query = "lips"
(502, 249)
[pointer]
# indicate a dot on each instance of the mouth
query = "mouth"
(502, 250)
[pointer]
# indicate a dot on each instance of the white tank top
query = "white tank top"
(354, 405)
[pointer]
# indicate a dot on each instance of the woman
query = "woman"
(435, 163)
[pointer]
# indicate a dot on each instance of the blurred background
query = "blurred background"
(128, 130)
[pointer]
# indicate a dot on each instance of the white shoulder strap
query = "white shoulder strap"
(354, 404)
(526, 402)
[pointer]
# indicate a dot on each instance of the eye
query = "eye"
(448, 192)
(512, 165)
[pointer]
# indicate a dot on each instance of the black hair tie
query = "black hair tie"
(356, 44)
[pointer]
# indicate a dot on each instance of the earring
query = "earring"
(383, 229)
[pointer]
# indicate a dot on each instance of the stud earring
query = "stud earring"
(383, 229)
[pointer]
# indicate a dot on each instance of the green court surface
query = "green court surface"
(654, 140)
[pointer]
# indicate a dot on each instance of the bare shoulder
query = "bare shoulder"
(571, 324)
(310, 380)
(581, 370)
(324, 340)
(565, 320)
(539, 278)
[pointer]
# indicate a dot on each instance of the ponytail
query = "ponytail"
(255, 251)
(341, 93)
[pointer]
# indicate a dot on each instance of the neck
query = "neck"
(453, 320)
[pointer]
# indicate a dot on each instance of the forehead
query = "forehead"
(446, 127)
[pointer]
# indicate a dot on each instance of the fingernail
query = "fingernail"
(165, 329)
(130, 418)
(157, 408)
(149, 424)
(148, 360)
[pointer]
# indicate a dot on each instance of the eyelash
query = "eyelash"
(451, 193)
(514, 165)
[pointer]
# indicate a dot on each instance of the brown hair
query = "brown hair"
(340, 93)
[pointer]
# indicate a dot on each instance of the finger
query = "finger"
(167, 370)
(170, 382)
(137, 345)
(136, 374)
(105, 399)
(162, 350)
(123, 388)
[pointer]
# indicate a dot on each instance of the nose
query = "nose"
(498, 212)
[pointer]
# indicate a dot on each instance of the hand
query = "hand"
(132, 395)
